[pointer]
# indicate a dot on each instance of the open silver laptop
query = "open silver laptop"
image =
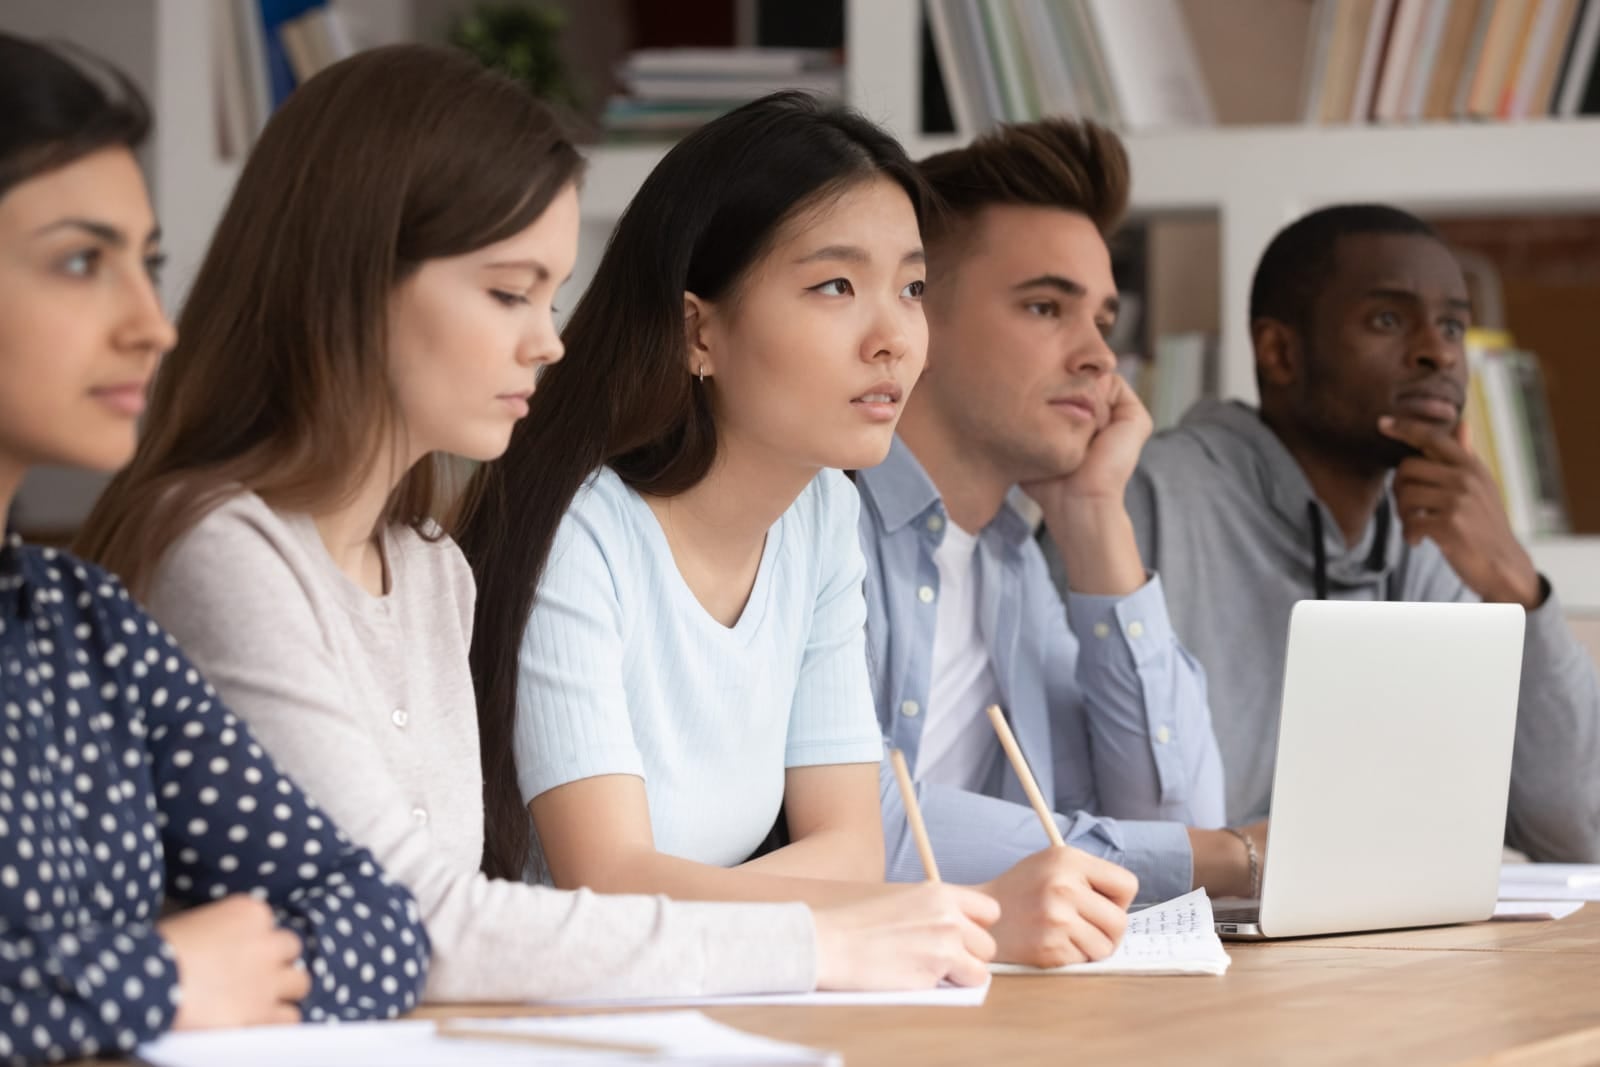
(1394, 767)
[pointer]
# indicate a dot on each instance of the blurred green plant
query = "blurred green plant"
(523, 41)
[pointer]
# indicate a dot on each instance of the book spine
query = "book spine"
(1047, 57)
(1008, 64)
(1543, 452)
(1510, 443)
(1579, 67)
(981, 49)
(958, 89)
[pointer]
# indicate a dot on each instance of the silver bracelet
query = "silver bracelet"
(1255, 859)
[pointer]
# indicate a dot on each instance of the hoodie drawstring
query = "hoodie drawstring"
(1377, 559)
(1319, 550)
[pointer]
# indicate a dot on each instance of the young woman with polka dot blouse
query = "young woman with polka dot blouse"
(377, 298)
(126, 786)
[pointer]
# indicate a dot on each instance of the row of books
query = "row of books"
(261, 50)
(1126, 63)
(1508, 416)
(1418, 60)
(668, 92)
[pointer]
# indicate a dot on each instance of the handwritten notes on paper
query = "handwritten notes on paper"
(1177, 937)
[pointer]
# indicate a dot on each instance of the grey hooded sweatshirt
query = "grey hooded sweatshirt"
(1225, 515)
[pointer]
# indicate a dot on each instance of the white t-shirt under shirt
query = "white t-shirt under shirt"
(958, 745)
(622, 671)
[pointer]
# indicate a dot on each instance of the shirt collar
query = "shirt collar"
(899, 487)
(902, 493)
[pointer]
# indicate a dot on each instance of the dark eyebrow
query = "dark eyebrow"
(853, 254)
(100, 231)
(848, 253)
(1454, 303)
(1067, 287)
(540, 271)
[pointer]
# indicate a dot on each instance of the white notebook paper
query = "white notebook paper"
(1177, 937)
(944, 996)
(1562, 874)
(682, 1037)
(1515, 910)
(1549, 881)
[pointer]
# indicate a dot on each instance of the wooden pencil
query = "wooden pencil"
(464, 1030)
(919, 832)
(1020, 764)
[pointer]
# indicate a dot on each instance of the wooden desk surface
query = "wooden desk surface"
(1523, 994)
(1516, 993)
(1576, 933)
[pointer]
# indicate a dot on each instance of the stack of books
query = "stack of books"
(670, 91)
(1125, 63)
(1508, 418)
(1421, 60)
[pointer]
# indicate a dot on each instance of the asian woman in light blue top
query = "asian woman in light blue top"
(669, 645)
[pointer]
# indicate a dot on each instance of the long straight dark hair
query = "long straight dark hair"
(624, 396)
(279, 382)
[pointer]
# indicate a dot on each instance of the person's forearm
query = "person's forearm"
(1098, 547)
(650, 872)
(845, 855)
(1554, 808)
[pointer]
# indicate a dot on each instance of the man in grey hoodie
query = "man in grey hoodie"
(1355, 481)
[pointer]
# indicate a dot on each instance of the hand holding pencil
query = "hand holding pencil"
(1059, 905)
(910, 936)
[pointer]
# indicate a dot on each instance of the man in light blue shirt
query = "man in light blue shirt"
(1021, 390)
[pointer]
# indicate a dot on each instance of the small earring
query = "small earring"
(702, 374)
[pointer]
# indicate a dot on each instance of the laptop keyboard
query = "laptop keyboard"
(1247, 911)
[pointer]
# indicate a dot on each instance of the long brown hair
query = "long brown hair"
(624, 395)
(279, 383)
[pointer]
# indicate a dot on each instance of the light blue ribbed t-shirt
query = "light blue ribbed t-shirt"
(622, 671)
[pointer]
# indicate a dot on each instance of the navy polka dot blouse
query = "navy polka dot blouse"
(124, 783)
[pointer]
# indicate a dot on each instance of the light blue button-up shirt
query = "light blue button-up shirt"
(1107, 706)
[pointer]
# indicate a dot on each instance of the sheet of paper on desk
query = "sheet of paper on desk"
(1560, 874)
(1536, 909)
(945, 996)
(682, 1037)
(1546, 891)
(1178, 937)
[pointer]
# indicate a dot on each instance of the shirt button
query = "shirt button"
(935, 523)
(419, 816)
(1163, 735)
(1136, 629)
(1101, 630)
(925, 594)
(399, 717)
(909, 709)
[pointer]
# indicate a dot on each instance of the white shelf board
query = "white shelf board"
(1546, 165)
(1572, 564)
(1550, 165)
